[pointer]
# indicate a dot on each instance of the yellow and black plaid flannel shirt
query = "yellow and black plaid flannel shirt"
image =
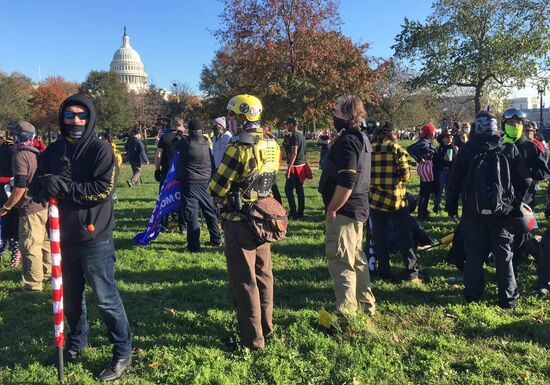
(237, 163)
(389, 172)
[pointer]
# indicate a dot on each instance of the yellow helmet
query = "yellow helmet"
(247, 105)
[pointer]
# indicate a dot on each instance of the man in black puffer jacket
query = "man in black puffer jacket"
(81, 172)
(194, 171)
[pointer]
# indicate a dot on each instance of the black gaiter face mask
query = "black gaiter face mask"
(340, 124)
(75, 131)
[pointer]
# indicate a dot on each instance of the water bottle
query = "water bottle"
(449, 154)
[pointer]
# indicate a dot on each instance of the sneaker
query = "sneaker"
(214, 244)
(130, 184)
(115, 369)
(417, 279)
(543, 291)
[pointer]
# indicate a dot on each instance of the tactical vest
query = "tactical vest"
(363, 169)
(265, 164)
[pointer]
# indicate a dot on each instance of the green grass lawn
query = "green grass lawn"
(180, 314)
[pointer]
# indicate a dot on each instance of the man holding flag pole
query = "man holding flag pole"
(80, 171)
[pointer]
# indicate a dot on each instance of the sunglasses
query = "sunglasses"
(81, 115)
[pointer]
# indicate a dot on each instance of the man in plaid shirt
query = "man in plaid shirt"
(389, 172)
(248, 259)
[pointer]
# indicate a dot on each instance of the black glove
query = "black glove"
(158, 175)
(54, 186)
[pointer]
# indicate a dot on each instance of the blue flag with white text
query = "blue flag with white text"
(169, 200)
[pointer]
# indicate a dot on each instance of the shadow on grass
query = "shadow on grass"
(521, 330)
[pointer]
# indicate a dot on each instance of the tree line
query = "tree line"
(294, 57)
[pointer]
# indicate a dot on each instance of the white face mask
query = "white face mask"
(466, 130)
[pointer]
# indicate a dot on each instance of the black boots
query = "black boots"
(115, 369)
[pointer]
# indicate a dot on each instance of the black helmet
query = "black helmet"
(521, 220)
(513, 113)
(372, 124)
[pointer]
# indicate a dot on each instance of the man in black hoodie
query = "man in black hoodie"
(482, 235)
(81, 172)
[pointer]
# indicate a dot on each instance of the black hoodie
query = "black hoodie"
(86, 212)
(521, 180)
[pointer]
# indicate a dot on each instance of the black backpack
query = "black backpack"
(490, 193)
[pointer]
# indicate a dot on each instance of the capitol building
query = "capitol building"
(127, 64)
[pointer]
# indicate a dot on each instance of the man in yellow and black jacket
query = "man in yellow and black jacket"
(246, 173)
(81, 171)
(390, 172)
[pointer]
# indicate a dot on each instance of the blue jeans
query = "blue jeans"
(442, 182)
(94, 263)
(194, 198)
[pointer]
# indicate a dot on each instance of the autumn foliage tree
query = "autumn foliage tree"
(182, 102)
(46, 99)
(289, 53)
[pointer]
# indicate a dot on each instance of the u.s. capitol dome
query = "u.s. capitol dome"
(128, 65)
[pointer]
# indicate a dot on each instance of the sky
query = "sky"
(173, 37)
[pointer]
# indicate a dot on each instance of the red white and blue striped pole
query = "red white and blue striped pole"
(57, 285)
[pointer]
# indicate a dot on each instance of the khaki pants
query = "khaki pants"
(35, 249)
(136, 170)
(348, 266)
(250, 283)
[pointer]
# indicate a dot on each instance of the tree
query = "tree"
(477, 44)
(46, 99)
(181, 102)
(398, 104)
(290, 54)
(15, 96)
(111, 100)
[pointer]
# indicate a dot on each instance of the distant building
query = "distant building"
(128, 65)
(520, 103)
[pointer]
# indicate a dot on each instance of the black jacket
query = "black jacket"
(92, 169)
(440, 164)
(135, 150)
(168, 143)
(534, 159)
(421, 150)
(457, 183)
(7, 151)
(195, 163)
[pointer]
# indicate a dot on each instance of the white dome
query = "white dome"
(128, 65)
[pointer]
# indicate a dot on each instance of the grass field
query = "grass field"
(180, 314)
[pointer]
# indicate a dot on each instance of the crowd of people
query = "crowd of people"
(227, 171)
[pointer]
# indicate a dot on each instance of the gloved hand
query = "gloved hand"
(158, 175)
(54, 186)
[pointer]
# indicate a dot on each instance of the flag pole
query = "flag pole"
(57, 285)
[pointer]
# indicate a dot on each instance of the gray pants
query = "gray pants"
(480, 239)
(136, 169)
